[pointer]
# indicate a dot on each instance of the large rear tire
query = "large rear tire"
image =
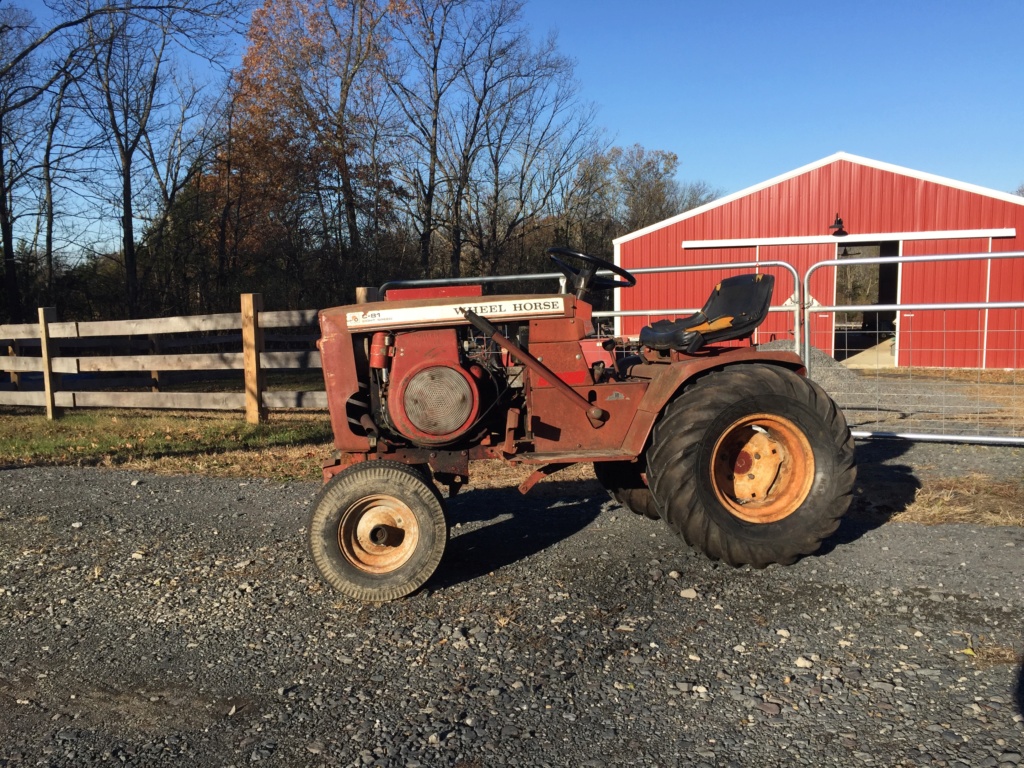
(377, 531)
(623, 481)
(752, 465)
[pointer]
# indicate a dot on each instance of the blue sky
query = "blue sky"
(742, 91)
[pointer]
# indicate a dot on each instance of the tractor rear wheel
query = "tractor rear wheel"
(377, 531)
(752, 465)
(623, 481)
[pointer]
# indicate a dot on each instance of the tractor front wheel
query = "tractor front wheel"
(752, 465)
(377, 531)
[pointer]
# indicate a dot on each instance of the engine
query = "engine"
(431, 387)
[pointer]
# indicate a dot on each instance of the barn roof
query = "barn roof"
(864, 161)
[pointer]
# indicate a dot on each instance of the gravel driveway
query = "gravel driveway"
(149, 620)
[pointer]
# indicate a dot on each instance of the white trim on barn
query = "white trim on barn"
(1004, 196)
(877, 237)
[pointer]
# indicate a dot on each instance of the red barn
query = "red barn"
(886, 211)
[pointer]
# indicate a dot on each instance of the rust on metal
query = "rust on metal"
(540, 474)
(762, 468)
(378, 533)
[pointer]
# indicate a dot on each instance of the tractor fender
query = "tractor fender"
(669, 380)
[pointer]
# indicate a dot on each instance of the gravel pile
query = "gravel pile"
(156, 621)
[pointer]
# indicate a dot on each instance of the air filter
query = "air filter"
(438, 400)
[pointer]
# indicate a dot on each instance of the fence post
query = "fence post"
(364, 295)
(47, 315)
(252, 347)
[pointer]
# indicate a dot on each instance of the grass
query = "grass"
(294, 445)
(289, 446)
(975, 499)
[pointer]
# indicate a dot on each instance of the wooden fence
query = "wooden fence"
(65, 354)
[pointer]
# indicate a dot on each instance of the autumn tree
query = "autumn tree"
(309, 100)
(648, 190)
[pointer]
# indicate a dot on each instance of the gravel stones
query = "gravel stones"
(544, 638)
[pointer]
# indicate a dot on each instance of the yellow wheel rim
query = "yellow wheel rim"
(762, 468)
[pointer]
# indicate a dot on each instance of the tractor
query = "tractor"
(746, 459)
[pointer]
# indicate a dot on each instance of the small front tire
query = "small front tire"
(377, 531)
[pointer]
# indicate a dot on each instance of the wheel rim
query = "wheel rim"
(762, 468)
(378, 534)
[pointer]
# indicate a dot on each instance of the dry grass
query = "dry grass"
(974, 499)
(991, 655)
(498, 474)
(998, 394)
(288, 446)
(968, 375)
(987, 653)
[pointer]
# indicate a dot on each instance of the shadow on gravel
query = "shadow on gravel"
(884, 488)
(533, 524)
(1018, 694)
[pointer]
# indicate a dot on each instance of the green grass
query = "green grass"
(215, 443)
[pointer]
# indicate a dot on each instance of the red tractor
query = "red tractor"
(745, 458)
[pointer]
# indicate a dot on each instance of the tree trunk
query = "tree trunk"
(427, 220)
(131, 270)
(12, 291)
(349, 201)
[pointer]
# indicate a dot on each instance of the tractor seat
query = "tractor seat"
(735, 308)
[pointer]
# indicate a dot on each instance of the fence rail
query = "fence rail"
(64, 352)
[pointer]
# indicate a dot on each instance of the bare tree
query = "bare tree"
(621, 190)
(203, 24)
(534, 138)
(423, 68)
(587, 215)
(15, 145)
(694, 194)
(491, 126)
(125, 83)
(45, 63)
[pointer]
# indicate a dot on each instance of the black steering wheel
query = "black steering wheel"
(585, 278)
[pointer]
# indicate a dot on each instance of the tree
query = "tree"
(16, 127)
(647, 185)
(533, 141)
(48, 64)
(126, 79)
(421, 69)
(493, 124)
(311, 69)
(623, 190)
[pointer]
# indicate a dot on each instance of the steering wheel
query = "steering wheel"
(585, 278)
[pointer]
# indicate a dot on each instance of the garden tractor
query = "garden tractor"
(735, 449)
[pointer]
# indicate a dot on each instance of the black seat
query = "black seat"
(735, 308)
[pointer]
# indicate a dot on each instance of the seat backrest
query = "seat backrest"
(745, 298)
